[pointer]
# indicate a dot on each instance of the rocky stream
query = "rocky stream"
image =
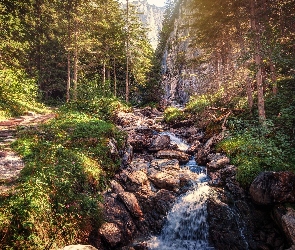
(175, 192)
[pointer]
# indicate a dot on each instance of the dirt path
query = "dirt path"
(10, 163)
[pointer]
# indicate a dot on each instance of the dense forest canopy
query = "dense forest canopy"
(74, 48)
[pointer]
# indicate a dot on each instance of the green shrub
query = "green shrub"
(254, 148)
(172, 115)
(18, 94)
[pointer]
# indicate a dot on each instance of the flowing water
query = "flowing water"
(186, 227)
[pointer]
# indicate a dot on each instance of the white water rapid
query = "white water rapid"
(186, 227)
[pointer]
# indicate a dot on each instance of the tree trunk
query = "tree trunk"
(75, 76)
(273, 77)
(258, 61)
(249, 93)
(115, 78)
(127, 54)
(104, 74)
(69, 78)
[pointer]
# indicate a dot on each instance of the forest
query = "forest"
(85, 61)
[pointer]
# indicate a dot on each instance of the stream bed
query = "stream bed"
(186, 227)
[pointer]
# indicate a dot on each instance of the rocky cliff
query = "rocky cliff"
(184, 73)
(152, 17)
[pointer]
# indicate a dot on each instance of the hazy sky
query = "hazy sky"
(159, 3)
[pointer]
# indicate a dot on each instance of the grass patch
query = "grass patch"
(68, 162)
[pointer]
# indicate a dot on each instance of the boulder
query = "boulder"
(156, 209)
(285, 219)
(217, 161)
(139, 141)
(194, 147)
(111, 233)
(131, 203)
(223, 226)
(173, 154)
(273, 187)
(159, 142)
(79, 247)
(164, 164)
(121, 228)
(166, 180)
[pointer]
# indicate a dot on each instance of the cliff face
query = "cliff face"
(183, 74)
(152, 17)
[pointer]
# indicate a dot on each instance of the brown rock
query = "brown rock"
(166, 180)
(111, 233)
(218, 161)
(159, 142)
(194, 147)
(131, 203)
(273, 187)
(173, 154)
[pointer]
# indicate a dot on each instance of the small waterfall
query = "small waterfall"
(176, 141)
(186, 227)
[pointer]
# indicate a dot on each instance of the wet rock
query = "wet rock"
(194, 147)
(273, 187)
(166, 180)
(111, 233)
(159, 142)
(136, 180)
(285, 219)
(223, 227)
(217, 161)
(165, 164)
(173, 154)
(131, 203)
(156, 208)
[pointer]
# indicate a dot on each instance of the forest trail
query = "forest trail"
(11, 164)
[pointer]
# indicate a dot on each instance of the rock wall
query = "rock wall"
(182, 75)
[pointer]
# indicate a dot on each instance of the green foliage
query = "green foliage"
(172, 115)
(101, 107)
(18, 93)
(255, 148)
(68, 163)
(197, 104)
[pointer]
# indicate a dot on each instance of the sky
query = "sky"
(159, 3)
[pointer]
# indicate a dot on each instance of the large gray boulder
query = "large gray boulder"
(273, 187)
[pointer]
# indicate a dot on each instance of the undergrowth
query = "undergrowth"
(68, 163)
(18, 94)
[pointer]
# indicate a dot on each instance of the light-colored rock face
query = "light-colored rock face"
(152, 18)
(183, 74)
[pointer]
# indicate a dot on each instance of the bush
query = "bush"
(173, 115)
(254, 148)
(18, 94)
